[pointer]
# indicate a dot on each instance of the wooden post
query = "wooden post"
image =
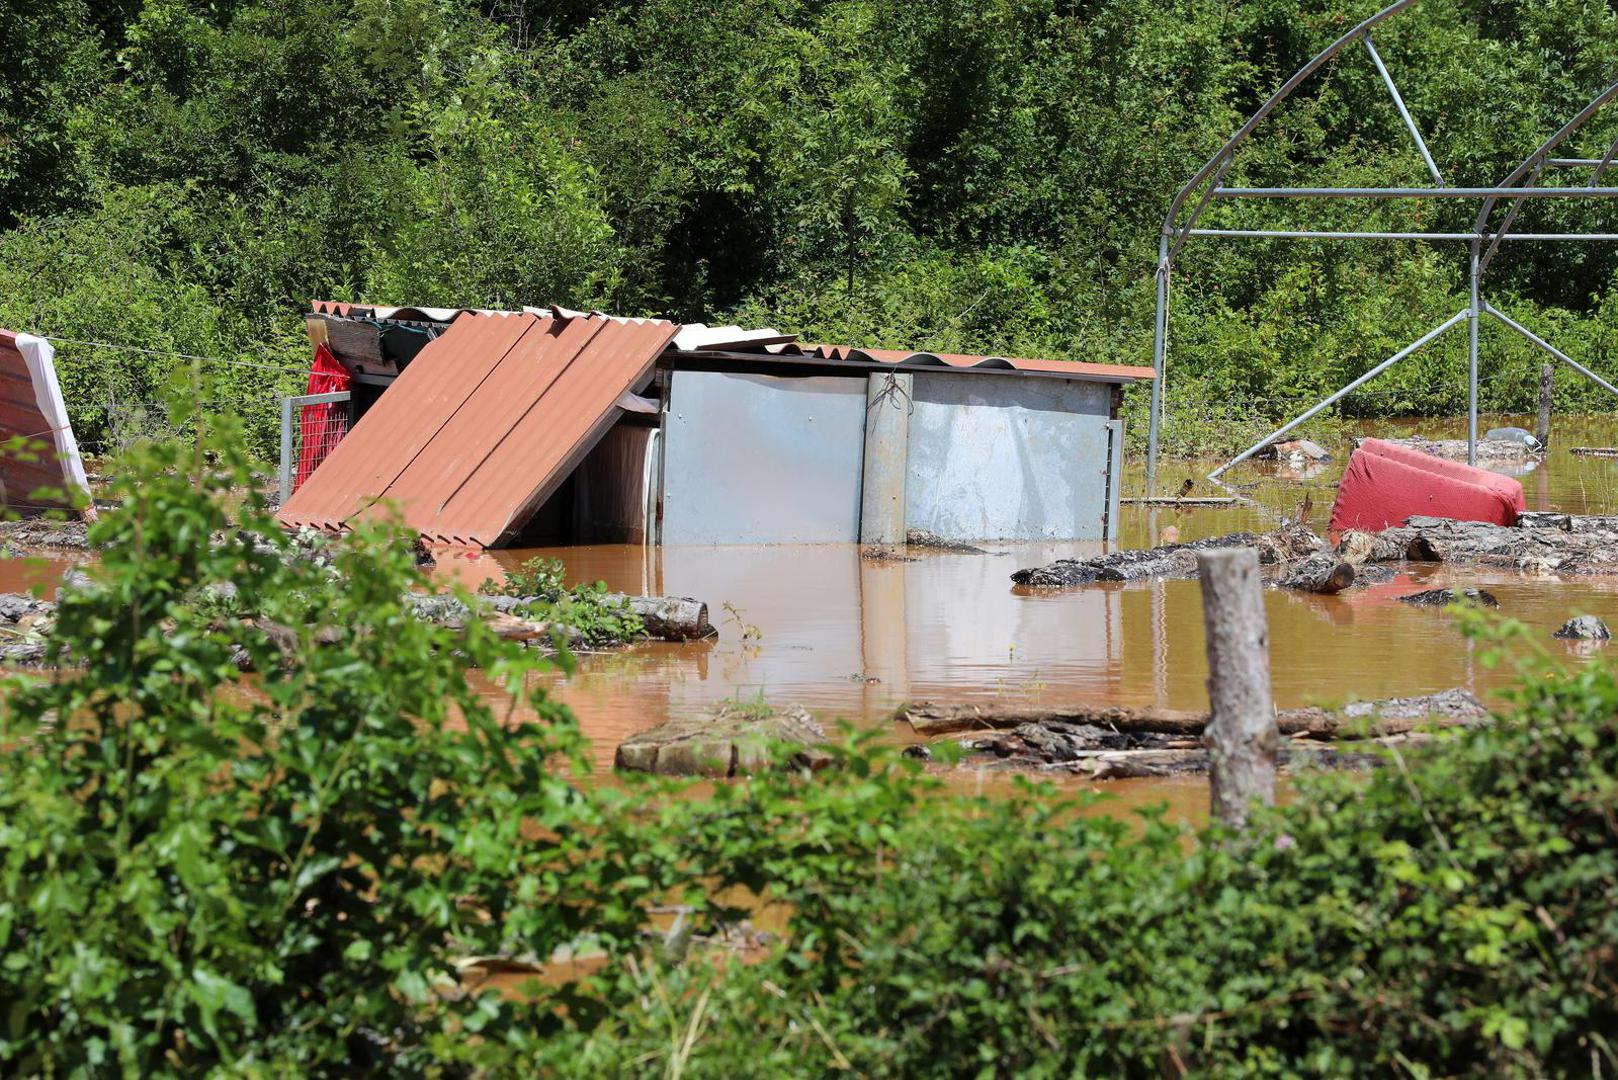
(1242, 737)
(1542, 430)
(887, 464)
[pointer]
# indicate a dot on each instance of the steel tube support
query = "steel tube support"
(1601, 166)
(1202, 204)
(1506, 224)
(1160, 333)
(1344, 392)
(1404, 113)
(1316, 234)
(1472, 366)
(1552, 349)
(1415, 193)
(286, 450)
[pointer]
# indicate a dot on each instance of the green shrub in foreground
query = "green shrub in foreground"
(1455, 914)
(202, 871)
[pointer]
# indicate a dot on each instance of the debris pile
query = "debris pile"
(1113, 743)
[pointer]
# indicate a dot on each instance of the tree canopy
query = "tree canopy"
(980, 175)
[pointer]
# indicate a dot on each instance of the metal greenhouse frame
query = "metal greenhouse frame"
(1514, 189)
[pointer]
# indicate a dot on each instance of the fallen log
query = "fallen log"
(1322, 573)
(732, 740)
(1392, 716)
(672, 618)
(1160, 563)
(1594, 451)
(1171, 562)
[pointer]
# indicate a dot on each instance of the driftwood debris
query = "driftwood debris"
(921, 538)
(1539, 544)
(1584, 628)
(1160, 743)
(1323, 572)
(1281, 548)
(1594, 451)
(1364, 719)
(1446, 597)
(1490, 451)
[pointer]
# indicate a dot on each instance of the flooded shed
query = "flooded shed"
(553, 426)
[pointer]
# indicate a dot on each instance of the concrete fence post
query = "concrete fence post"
(887, 441)
(1241, 735)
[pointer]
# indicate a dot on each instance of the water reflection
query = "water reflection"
(853, 638)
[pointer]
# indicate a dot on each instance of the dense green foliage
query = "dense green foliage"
(278, 873)
(961, 174)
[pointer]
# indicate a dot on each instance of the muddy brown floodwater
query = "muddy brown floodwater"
(852, 638)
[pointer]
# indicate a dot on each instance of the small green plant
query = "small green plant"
(750, 708)
(735, 616)
(539, 576)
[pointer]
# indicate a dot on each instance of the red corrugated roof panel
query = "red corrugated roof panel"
(31, 407)
(483, 425)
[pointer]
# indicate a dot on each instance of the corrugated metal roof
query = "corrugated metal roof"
(1072, 368)
(483, 425)
(31, 407)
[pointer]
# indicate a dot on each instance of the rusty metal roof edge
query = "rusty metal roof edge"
(766, 363)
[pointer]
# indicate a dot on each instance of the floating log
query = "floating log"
(1392, 716)
(1323, 572)
(1171, 561)
(672, 618)
(1594, 451)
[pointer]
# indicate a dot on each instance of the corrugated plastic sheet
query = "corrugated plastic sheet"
(482, 426)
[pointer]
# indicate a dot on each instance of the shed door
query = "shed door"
(760, 459)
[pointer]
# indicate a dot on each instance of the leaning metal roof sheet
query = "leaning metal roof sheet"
(482, 426)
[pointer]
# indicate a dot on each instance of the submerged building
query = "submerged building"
(545, 425)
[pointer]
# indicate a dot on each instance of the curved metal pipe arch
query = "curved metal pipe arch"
(1174, 236)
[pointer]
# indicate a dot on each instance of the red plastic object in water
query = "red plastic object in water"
(1385, 483)
(324, 425)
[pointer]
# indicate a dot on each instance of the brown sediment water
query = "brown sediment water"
(852, 638)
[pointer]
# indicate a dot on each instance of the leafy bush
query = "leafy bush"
(201, 869)
(277, 873)
(1450, 914)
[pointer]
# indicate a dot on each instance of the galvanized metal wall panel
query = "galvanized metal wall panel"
(757, 459)
(999, 457)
